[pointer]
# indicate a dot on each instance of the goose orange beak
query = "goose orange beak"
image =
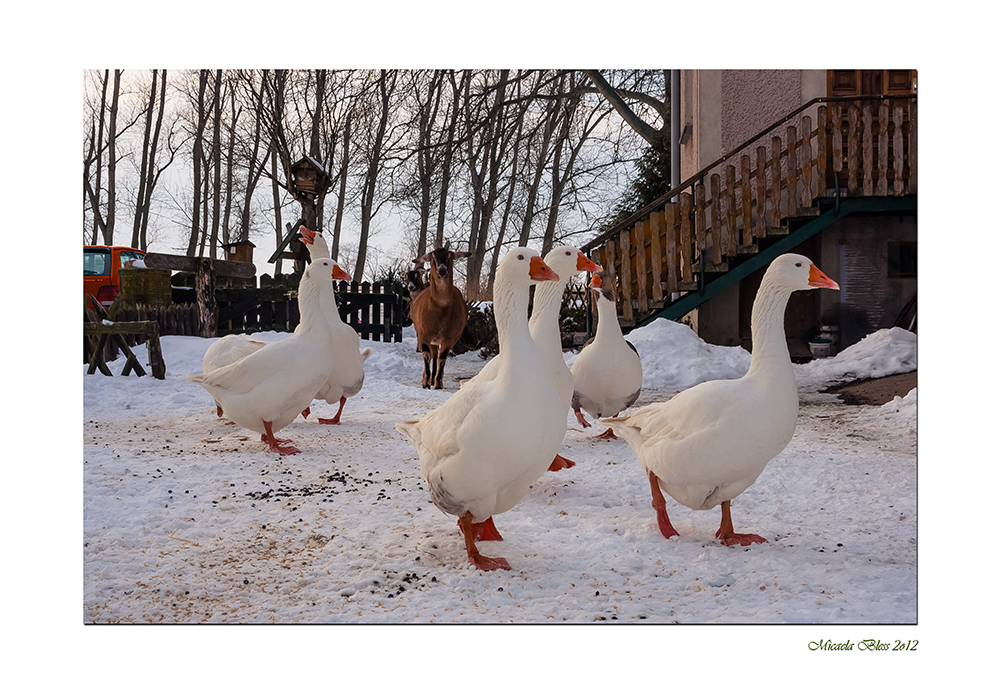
(541, 272)
(308, 236)
(339, 274)
(819, 280)
(585, 264)
(595, 282)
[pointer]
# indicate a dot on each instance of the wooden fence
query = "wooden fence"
(374, 310)
(857, 147)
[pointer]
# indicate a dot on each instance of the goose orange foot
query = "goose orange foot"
(483, 531)
(728, 537)
(274, 443)
(607, 435)
(579, 417)
(335, 419)
(561, 462)
(306, 412)
(660, 505)
(475, 558)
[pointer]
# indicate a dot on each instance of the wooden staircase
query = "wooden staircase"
(792, 181)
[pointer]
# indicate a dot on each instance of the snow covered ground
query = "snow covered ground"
(190, 520)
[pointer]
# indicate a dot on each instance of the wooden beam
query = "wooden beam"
(184, 263)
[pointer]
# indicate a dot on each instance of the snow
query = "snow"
(189, 520)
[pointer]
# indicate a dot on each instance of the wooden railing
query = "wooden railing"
(858, 147)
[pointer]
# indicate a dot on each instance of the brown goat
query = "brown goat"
(439, 314)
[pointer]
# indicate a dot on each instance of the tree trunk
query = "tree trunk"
(279, 230)
(109, 228)
(216, 164)
(144, 165)
(234, 114)
(371, 179)
(99, 222)
(198, 155)
(154, 175)
(342, 193)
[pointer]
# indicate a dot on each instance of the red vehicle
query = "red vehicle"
(100, 270)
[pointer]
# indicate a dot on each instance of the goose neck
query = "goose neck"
(607, 319)
(767, 329)
(547, 302)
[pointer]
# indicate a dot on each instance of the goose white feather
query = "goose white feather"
(708, 444)
(607, 373)
(265, 390)
(482, 448)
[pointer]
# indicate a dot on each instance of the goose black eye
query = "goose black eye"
(798, 264)
(520, 257)
(568, 253)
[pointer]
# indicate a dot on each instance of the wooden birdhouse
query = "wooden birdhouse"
(309, 176)
(241, 251)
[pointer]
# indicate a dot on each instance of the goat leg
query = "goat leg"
(439, 371)
(426, 381)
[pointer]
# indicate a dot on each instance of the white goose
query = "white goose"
(348, 374)
(481, 450)
(544, 327)
(225, 351)
(607, 374)
(267, 389)
(708, 444)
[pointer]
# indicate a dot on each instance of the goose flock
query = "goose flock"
(703, 447)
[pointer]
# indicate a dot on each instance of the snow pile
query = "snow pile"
(901, 410)
(881, 353)
(674, 358)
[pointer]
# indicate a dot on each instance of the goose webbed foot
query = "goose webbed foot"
(475, 558)
(728, 537)
(335, 419)
(660, 505)
(561, 462)
(273, 443)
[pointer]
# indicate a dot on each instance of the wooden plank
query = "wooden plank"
(913, 148)
(673, 267)
(852, 149)
(882, 181)
(837, 125)
(610, 260)
(897, 150)
(184, 263)
(868, 153)
(745, 201)
(792, 170)
(775, 182)
(715, 185)
(760, 181)
(730, 210)
(807, 163)
(699, 218)
(684, 251)
(137, 327)
(641, 291)
(656, 253)
(822, 151)
(625, 243)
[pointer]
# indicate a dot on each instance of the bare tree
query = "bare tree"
(198, 156)
(384, 86)
(639, 92)
(148, 172)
